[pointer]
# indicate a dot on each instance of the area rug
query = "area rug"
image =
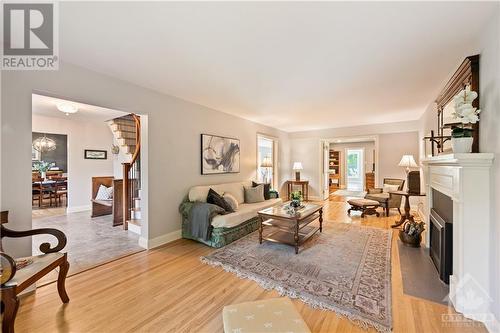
(348, 193)
(346, 269)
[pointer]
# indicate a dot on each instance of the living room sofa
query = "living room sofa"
(229, 227)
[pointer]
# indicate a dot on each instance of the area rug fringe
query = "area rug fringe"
(270, 285)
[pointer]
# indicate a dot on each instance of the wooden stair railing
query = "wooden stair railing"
(132, 177)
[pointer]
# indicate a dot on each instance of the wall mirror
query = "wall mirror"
(466, 75)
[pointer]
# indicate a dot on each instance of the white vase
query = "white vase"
(43, 175)
(462, 145)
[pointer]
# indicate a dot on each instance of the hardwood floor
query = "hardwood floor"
(169, 290)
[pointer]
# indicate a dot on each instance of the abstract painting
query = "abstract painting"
(219, 155)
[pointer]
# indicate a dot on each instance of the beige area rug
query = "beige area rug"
(346, 269)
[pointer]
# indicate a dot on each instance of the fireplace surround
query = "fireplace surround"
(466, 180)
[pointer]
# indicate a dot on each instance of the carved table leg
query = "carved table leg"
(11, 304)
(321, 220)
(61, 281)
(406, 216)
(261, 229)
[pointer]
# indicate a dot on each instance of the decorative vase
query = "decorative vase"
(43, 174)
(295, 203)
(462, 145)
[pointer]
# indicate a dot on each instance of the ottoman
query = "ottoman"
(366, 206)
(269, 315)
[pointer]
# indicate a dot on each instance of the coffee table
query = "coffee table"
(292, 228)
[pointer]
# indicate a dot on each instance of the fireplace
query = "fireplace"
(441, 234)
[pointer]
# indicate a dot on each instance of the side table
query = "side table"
(406, 216)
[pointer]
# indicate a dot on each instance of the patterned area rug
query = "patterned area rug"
(346, 269)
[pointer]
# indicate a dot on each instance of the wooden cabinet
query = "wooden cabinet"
(334, 169)
(369, 180)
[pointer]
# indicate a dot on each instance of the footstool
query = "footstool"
(269, 315)
(366, 206)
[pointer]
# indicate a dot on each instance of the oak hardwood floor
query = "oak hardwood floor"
(169, 290)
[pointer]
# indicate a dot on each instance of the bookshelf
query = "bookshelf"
(334, 168)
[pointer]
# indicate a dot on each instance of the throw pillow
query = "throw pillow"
(216, 199)
(231, 200)
(390, 188)
(103, 193)
(254, 194)
(267, 189)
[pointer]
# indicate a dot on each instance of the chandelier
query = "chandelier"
(44, 144)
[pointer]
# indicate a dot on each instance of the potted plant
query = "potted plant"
(42, 167)
(296, 198)
(466, 114)
(411, 234)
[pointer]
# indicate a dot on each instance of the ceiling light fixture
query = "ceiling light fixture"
(67, 108)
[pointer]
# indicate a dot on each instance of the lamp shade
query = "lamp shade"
(267, 162)
(297, 166)
(408, 161)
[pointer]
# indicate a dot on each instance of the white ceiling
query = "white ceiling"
(290, 65)
(47, 106)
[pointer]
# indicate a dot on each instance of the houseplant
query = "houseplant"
(466, 114)
(42, 167)
(296, 198)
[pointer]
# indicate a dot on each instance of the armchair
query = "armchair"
(13, 281)
(387, 200)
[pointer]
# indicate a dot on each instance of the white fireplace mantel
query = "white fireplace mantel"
(466, 178)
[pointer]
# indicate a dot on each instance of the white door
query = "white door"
(355, 169)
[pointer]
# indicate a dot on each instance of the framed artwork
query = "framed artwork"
(219, 155)
(91, 154)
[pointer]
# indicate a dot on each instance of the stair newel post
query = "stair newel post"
(126, 196)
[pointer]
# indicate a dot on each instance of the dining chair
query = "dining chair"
(40, 191)
(60, 189)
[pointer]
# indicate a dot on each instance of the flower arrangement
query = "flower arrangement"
(465, 113)
(42, 166)
(296, 198)
(411, 234)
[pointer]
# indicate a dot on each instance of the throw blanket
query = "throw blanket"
(198, 217)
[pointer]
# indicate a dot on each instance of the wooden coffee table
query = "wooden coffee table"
(290, 228)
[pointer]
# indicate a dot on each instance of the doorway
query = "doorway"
(348, 177)
(355, 168)
(77, 180)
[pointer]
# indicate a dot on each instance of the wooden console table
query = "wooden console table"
(304, 185)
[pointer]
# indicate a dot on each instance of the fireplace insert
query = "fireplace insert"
(441, 234)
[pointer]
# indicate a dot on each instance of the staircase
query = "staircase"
(127, 131)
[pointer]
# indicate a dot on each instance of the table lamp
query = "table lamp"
(297, 166)
(407, 161)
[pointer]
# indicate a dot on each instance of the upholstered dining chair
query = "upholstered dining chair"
(387, 200)
(16, 277)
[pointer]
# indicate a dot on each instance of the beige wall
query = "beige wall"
(81, 135)
(488, 46)
(173, 134)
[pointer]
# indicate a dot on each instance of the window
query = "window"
(267, 160)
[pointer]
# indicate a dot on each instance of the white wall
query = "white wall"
(368, 146)
(118, 159)
(305, 147)
(81, 135)
(173, 133)
(488, 46)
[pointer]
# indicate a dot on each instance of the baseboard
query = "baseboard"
(77, 209)
(160, 240)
